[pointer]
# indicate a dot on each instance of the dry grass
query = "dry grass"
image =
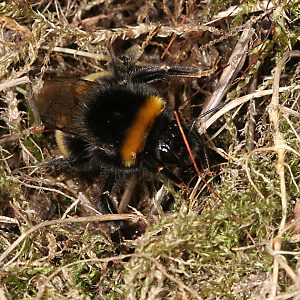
(236, 238)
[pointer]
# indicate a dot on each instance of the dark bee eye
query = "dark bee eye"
(167, 154)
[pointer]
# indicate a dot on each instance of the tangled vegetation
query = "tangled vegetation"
(232, 235)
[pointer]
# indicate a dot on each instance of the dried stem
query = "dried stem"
(281, 147)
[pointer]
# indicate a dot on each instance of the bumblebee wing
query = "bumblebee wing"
(59, 102)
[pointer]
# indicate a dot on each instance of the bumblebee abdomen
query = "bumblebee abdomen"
(84, 156)
(120, 117)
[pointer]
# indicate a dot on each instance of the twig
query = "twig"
(100, 57)
(98, 218)
(281, 146)
(236, 9)
(238, 101)
(157, 200)
(129, 189)
(235, 64)
(2, 294)
(7, 220)
(13, 82)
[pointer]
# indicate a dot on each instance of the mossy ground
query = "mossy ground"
(237, 238)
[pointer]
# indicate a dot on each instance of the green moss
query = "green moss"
(217, 6)
(203, 249)
(32, 142)
(197, 250)
(8, 184)
(16, 281)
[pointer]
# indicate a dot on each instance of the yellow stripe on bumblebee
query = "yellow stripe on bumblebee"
(136, 135)
(59, 136)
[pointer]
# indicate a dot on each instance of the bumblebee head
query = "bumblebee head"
(166, 149)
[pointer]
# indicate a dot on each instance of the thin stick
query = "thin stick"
(98, 218)
(235, 64)
(281, 145)
(238, 101)
(13, 82)
(75, 52)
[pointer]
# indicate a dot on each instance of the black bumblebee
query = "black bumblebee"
(118, 123)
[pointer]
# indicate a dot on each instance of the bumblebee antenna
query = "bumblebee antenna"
(207, 113)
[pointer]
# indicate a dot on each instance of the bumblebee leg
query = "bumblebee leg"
(105, 206)
(58, 165)
(103, 202)
(157, 166)
(119, 230)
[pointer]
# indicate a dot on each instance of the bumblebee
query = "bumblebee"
(118, 123)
